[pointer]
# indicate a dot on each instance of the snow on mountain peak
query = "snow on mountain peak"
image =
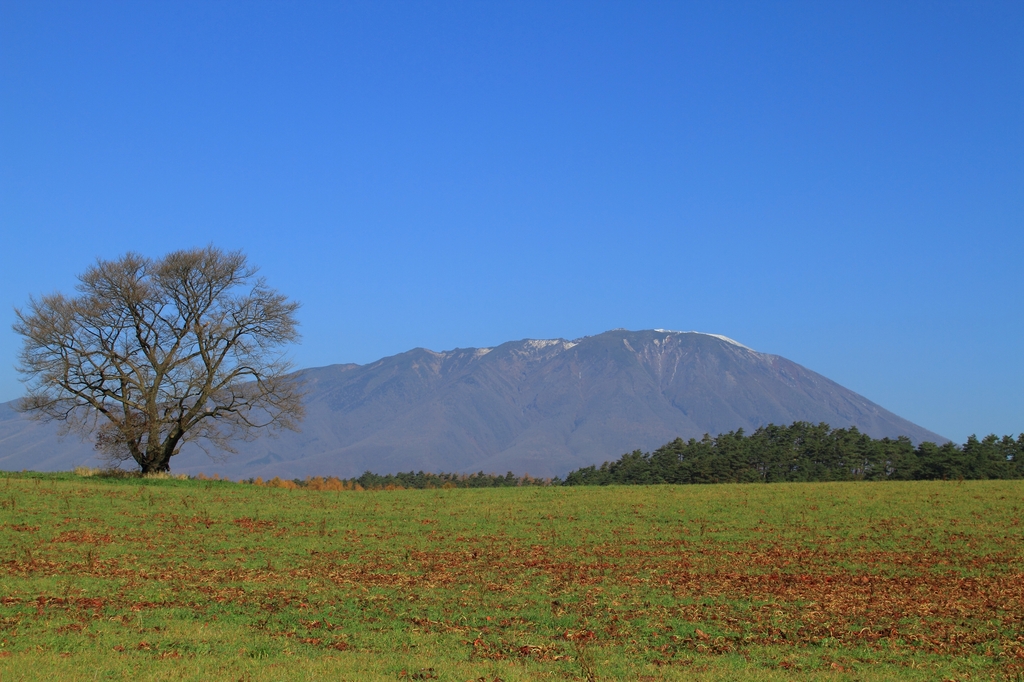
(717, 336)
(728, 340)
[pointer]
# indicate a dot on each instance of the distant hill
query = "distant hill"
(542, 407)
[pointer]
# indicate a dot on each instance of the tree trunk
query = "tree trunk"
(158, 462)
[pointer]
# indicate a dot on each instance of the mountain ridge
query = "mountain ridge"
(537, 406)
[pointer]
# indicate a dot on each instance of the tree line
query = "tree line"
(808, 452)
(420, 480)
(417, 480)
(772, 454)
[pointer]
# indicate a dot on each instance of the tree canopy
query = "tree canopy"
(808, 452)
(152, 354)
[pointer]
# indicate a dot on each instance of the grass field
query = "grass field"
(167, 579)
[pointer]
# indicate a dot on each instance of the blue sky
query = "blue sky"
(838, 183)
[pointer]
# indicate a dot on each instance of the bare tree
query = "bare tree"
(155, 353)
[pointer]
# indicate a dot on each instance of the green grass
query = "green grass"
(170, 579)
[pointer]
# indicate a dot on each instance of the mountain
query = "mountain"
(538, 407)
